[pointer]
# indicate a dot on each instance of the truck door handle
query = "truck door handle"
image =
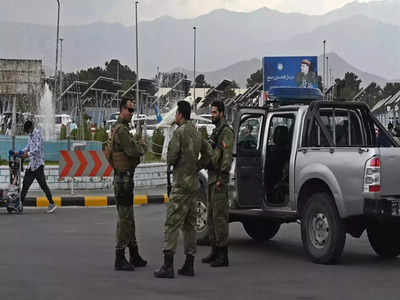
(361, 150)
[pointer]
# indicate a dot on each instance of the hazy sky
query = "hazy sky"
(121, 11)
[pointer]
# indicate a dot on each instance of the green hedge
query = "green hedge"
(157, 142)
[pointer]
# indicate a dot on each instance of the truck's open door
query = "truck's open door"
(249, 130)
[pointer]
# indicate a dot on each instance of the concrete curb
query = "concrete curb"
(93, 201)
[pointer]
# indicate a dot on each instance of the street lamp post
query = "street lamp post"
(327, 71)
(194, 69)
(323, 71)
(56, 71)
(137, 68)
(61, 71)
(331, 80)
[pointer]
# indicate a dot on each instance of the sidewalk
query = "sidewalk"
(100, 197)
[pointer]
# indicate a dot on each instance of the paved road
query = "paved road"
(139, 190)
(69, 255)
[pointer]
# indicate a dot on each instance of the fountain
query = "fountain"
(47, 115)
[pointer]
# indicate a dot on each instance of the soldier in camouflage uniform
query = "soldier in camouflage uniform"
(183, 154)
(221, 140)
(126, 153)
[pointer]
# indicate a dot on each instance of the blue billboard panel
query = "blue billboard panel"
(290, 71)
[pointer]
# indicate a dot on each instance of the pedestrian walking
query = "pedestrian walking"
(183, 154)
(221, 141)
(126, 152)
(34, 150)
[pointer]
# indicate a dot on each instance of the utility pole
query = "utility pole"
(61, 72)
(56, 72)
(194, 69)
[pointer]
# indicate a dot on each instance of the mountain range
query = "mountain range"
(360, 36)
(240, 71)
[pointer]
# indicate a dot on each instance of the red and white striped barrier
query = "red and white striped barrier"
(84, 163)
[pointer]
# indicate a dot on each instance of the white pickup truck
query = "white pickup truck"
(330, 166)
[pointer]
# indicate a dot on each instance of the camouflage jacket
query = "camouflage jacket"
(183, 153)
(221, 159)
(128, 144)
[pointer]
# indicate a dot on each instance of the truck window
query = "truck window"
(281, 128)
(249, 132)
(382, 138)
(276, 180)
(376, 134)
(348, 131)
(343, 126)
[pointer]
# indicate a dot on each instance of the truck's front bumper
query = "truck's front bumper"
(382, 207)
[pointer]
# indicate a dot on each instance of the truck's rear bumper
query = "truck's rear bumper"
(382, 207)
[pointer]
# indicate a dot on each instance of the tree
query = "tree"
(101, 135)
(229, 91)
(157, 142)
(235, 84)
(255, 78)
(347, 87)
(114, 69)
(371, 95)
(390, 89)
(201, 82)
(170, 79)
(91, 74)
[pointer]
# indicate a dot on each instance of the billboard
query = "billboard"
(290, 71)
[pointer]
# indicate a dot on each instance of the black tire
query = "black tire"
(202, 210)
(324, 246)
(261, 231)
(383, 238)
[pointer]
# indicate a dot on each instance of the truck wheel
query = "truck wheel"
(202, 209)
(261, 231)
(383, 238)
(322, 231)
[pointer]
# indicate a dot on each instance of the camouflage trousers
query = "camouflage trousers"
(218, 215)
(123, 189)
(181, 215)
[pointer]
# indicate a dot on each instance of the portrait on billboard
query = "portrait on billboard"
(306, 78)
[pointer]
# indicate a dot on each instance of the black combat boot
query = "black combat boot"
(187, 268)
(222, 258)
(135, 259)
(167, 269)
(121, 264)
(211, 257)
